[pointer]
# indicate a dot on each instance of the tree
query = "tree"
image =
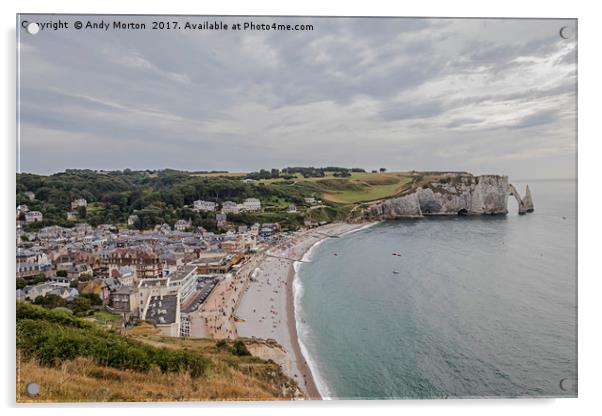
(61, 273)
(81, 306)
(21, 283)
(50, 301)
(383, 170)
(93, 298)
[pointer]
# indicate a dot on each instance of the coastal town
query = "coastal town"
(184, 280)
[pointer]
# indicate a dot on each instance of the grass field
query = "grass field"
(359, 187)
(88, 376)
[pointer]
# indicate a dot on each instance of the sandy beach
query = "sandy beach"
(266, 306)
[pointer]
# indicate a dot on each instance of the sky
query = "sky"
(478, 95)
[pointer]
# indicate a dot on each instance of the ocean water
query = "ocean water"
(480, 306)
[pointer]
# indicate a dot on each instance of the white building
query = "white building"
(77, 203)
(30, 195)
(201, 205)
(252, 204)
(292, 208)
(33, 216)
(310, 201)
(132, 219)
(230, 207)
(182, 225)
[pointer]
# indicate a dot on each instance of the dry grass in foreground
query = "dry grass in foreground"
(83, 381)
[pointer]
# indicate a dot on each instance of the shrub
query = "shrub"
(240, 349)
(55, 336)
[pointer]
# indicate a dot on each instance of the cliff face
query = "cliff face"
(403, 207)
(452, 194)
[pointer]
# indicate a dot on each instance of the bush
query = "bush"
(240, 349)
(54, 336)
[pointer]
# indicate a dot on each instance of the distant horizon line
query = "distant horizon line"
(242, 172)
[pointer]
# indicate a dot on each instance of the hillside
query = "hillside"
(158, 197)
(70, 358)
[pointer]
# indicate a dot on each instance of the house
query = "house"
(291, 208)
(31, 292)
(66, 293)
(33, 216)
(30, 264)
(30, 195)
(252, 204)
(71, 216)
(163, 228)
(221, 219)
(22, 209)
(269, 228)
(78, 203)
(59, 281)
(230, 207)
(132, 220)
(201, 205)
(125, 300)
(145, 263)
(77, 270)
(124, 274)
(182, 225)
(230, 246)
(310, 201)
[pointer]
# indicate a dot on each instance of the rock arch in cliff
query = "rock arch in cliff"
(524, 204)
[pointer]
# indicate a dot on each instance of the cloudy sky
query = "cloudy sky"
(486, 96)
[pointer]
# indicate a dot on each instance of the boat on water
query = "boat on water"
(395, 272)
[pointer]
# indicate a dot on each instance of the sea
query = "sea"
(446, 307)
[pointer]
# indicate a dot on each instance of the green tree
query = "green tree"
(81, 306)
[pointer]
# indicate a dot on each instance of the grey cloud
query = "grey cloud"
(241, 101)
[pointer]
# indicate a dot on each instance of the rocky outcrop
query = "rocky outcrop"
(403, 207)
(528, 201)
(453, 194)
(524, 204)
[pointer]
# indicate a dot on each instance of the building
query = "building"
(201, 205)
(31, 292)
(291, 208)
(78, 203)
(182, 225)
(77, 270)
(146, 264)
(30, 195)
(184, 281)
(221, 219)
(269, 228)
(30, 264)
(164, 312)
(230, 207)
(33, 216)
(124, 274)
(251, 204)
(124, 300)
(132, 220)
(310, 201)
(212, 262)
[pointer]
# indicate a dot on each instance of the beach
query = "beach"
(266, 307)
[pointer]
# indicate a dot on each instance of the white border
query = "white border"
(590, 346)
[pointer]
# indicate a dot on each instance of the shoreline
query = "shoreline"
(266, 308)
(302, 364)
